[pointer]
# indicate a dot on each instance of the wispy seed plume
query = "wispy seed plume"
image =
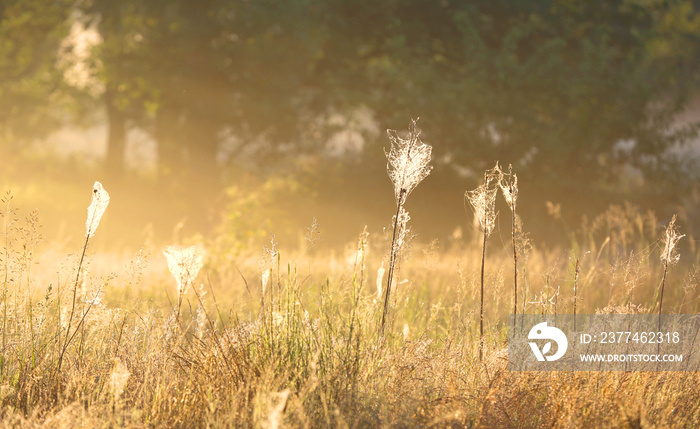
(408, 161)
(408, 164)
(508, 182)
(184, 264)
(100, 200)
(669, 255)
(483, 200)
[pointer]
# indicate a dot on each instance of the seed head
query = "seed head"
(669, 256)
(508, 182)
(184, 264)
(483, 200)
(408, 162)
(100, 200)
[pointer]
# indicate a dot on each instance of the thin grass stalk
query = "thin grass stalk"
(408, 164)
(353, 316)
(58, 315)
(100, 200)
(661, 293)
(508, 182)
(515, 268)
(77, 328)
(576, 273)
(30, 315)
(392, 262)
(356, 288)
(279, 283)
(69, 338)
(178, 309)
(216, 338)
(661, 301)
(6, 225)
(481, 307)
(669, 256)
(4, 307)
(483, 200)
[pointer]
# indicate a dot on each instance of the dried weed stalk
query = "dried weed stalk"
(408, 164)
(483, 202)
(669, 256)
(100, 200)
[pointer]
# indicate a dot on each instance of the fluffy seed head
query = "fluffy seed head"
(408, 162)
(184, 264)
(100, 200)
(483, 200)
(508, 182)
(669, 256)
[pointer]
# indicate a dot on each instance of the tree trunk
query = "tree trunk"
(168, 138)
(116, 135)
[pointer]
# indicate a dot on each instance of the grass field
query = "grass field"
(274, 337)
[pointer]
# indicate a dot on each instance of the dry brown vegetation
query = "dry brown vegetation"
(289, 337)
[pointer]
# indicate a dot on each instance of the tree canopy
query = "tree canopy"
(551, 86)
(31, 34)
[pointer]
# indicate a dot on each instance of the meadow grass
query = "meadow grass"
(290, 337)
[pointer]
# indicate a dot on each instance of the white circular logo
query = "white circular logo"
(543, 332)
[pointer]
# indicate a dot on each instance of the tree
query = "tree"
(551, 86)
(119, 63)
(31, 32)
(199, 69)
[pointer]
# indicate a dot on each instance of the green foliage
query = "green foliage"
(550, 86)
(247, 218)
(501, 79)
(30, 36)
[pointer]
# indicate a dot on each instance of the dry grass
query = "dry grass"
(308, 354)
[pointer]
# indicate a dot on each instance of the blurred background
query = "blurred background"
(239, 119)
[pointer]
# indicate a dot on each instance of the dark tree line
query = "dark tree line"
(550, 86)
(30, 35)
